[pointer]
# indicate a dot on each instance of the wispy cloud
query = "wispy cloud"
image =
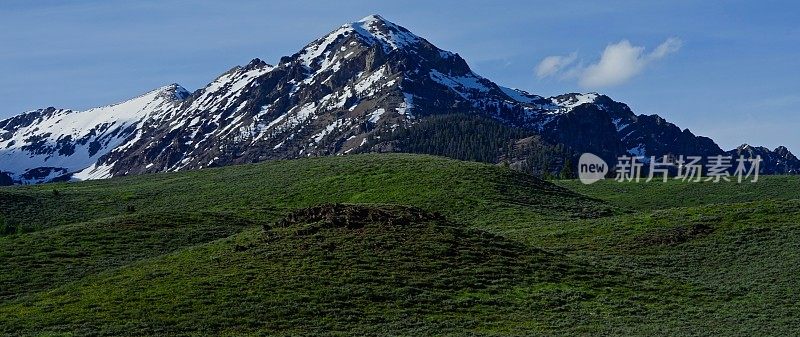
(551, 65)
(618, 63)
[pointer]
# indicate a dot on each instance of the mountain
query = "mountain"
(779, 161)
(368, 86)
(51, 144)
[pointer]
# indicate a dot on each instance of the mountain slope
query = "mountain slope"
(355, 90)
(43, 145)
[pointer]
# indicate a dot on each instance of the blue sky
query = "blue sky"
(730, 71)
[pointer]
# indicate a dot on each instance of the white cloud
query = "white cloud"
(669, 46)
(618, 63)
(551, 65)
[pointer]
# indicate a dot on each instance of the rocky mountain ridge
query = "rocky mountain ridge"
(368, 86)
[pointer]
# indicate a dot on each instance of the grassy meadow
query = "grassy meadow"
(397, 244)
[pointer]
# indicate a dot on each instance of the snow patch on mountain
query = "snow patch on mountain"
(407, 105)
(638, 151)
(571, 101)
(466, 86)
(95, 171)
(520, 95)
(375, 116)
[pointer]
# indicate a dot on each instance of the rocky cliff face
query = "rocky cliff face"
(360, 88)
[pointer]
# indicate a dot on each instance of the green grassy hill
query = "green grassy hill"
(675, 193)
(465, 191)
(402, 245)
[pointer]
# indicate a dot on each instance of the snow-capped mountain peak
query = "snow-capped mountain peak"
(373, 18)
(174, 91)
(378, 29)
(370, 31)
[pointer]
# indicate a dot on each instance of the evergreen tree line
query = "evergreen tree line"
(481, 139)
(462, 137)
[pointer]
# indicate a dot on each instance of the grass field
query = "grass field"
(403, 245)
(675, 193)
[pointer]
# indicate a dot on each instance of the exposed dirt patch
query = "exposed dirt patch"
(357, 216)
(675, 235)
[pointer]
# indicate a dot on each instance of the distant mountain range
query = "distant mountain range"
(368, 86)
